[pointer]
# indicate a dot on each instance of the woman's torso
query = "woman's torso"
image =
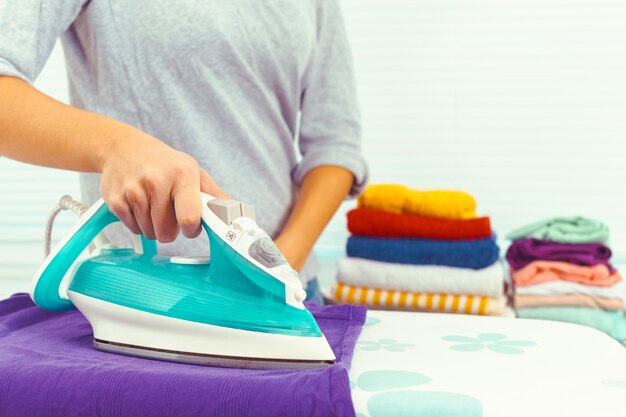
(220, 80)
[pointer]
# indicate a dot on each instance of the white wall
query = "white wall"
(27, 194)
(520, 102)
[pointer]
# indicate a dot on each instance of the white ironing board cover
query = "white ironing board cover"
(443, 365)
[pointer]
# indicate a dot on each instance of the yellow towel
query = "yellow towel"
(403, 300)
(455, 205)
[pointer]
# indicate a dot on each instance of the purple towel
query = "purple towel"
(48, 367)
(524, 251)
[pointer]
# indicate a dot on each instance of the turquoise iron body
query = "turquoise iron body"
(243, 290)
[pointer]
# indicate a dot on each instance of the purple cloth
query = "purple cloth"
(524, 251)
(48, 367)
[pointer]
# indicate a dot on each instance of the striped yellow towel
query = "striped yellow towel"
(403, 300)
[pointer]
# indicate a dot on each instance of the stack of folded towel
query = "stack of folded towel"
(420, 250)
(561, 271)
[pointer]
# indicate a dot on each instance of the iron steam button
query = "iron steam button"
(225, 210)
(243, 223)
(269, 247)
(267, 253)
(257, 232)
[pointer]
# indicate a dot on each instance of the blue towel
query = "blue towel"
(475, 254)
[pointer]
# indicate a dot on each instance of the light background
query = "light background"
(520, 102)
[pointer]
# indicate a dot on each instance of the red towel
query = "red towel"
(376, 223)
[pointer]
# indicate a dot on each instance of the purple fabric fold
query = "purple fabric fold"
(48, 367)
(524, 251)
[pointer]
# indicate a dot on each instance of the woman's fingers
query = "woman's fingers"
(141, 211)
(162, 215)
(207, 185)
(188, 205)
(120, 207)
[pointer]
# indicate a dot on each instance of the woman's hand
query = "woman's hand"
(154, 189)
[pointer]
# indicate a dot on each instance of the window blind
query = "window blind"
(521, 103)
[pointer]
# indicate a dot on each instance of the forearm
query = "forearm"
(37, 129)
(152, 188)
(322, 191)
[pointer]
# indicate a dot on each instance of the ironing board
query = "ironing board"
(442, 365)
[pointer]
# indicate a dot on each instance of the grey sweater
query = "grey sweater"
(223, 81)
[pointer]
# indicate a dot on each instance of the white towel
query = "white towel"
(422, 278)
(567, 287)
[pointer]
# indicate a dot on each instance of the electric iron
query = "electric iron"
(242, 308)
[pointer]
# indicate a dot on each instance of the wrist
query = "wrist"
(123, 140)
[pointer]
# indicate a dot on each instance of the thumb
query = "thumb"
(207, 185)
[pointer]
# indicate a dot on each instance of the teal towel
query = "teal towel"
(576, 229)
(612, 323)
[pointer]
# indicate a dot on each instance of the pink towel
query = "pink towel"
(543, 271)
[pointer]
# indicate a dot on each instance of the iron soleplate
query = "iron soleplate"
(207, 359)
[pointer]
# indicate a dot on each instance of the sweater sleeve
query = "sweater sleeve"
(28, 32)
(330, 129)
